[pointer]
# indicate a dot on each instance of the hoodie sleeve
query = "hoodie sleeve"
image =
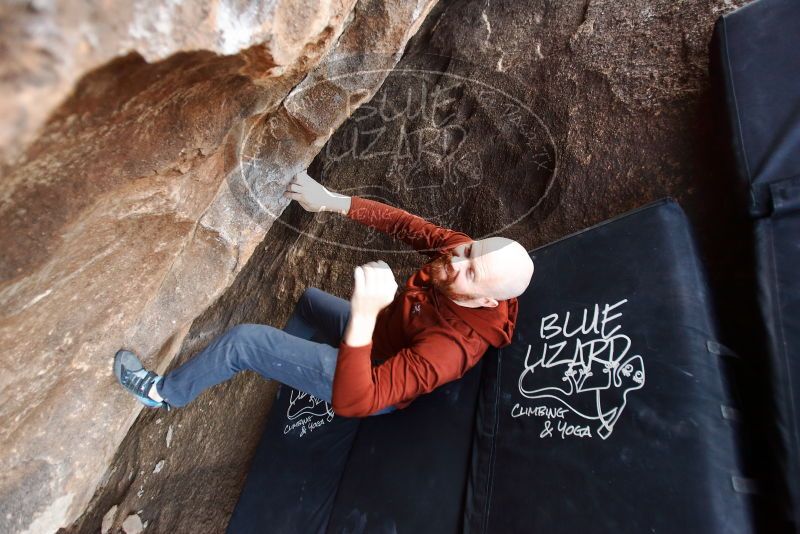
(360, 389)
(424, 236)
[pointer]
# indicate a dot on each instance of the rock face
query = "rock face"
(532, 120)
(142, 197)
(48, 45)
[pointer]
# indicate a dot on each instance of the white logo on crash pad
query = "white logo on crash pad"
(586, 367)
(306, 413)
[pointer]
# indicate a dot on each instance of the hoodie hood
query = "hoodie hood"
(495, 325)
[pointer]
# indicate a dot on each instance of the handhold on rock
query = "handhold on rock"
(108, 520)
(132, 524)
(159, 466)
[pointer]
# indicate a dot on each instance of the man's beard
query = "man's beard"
(442, 267)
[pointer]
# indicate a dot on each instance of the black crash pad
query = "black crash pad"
(758, 50)
(759, 54)
(407, 471)
(607, 411)
(401, 472)
(296, 470)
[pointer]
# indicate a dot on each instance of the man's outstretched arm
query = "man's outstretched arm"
(422, 235)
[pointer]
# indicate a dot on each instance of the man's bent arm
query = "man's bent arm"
(359, 329)
(360, 389)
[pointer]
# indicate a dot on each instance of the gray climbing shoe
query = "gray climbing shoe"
(135, 378)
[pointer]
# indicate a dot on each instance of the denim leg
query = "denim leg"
(289, 356)
(299, 327)
(274, 354)
(328, 313)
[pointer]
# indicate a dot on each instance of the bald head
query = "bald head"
(483, 272)
(509, 266)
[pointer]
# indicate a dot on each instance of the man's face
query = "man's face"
(476, 273)
(455, 273)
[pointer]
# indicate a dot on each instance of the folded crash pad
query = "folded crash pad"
(607, 411)
(296, 469)
(759, 59)
(404, 471)
(407, 471)
(757, 48)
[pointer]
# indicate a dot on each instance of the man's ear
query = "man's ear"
(487, 302)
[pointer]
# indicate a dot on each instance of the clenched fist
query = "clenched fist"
(375, 288)
(313, 196)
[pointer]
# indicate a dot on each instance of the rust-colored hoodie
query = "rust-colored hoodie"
(422, 339)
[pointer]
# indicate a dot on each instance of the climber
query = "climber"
(381, 349)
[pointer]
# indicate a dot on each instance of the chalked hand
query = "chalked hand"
(313, 196)
(375, 288)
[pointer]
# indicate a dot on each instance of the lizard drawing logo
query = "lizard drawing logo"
(587, 367)
(301, 404)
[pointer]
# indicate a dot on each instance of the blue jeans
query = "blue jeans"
(302, 355)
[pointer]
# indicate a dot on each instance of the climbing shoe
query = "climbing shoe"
(135, 378)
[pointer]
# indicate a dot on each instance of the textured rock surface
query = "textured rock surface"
(143, 196)
(47, 45)
(133, 525)
(549, 117)
(552, 116)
